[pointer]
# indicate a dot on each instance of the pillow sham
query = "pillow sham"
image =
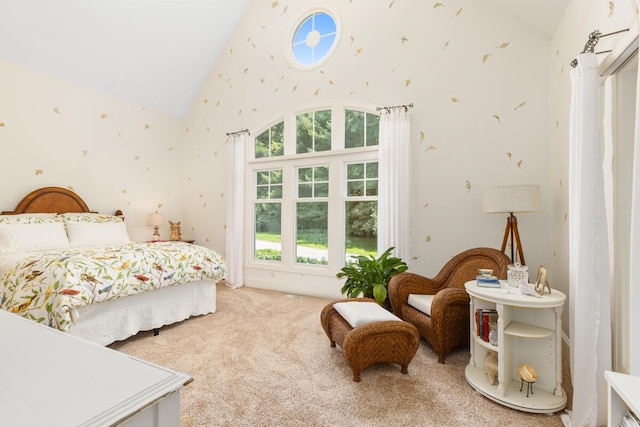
(32, 237)
(97, 233)
(89, 217)
(29, 218)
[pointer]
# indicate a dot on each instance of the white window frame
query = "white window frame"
(263, 273)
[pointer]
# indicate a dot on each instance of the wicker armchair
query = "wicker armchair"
(448, 325)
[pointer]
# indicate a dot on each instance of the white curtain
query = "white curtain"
(235, 208)
(393, 181)
(589, 277)
(634, 246)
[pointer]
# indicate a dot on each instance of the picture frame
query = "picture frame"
(541, 283)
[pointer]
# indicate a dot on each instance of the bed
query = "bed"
(77, 271)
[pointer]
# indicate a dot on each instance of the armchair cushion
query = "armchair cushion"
(421, 302)
(360, 313)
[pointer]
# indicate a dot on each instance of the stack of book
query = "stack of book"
(488, 281)
(483, 317)
(630, 420)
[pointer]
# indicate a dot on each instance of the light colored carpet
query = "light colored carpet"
(263, 359)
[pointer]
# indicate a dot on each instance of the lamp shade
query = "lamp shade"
(156, 219)
(511, 198)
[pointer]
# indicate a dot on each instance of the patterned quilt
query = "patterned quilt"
(48, 286)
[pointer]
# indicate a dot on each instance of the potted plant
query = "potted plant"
(369, 276)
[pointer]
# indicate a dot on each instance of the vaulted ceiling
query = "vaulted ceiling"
(156, 53)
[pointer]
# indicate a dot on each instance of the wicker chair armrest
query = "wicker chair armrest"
(445, 299)
(401, 285)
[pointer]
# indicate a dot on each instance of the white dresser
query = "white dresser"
(50, 378)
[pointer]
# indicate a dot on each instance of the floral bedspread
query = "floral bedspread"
(48, 286)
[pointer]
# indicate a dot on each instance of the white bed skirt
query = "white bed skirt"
(119, 319)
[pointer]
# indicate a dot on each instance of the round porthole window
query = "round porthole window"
(314, 39)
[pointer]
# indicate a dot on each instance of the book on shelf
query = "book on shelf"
(483, 316)
(487, 281)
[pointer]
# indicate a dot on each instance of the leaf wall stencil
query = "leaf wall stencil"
(503, 45)
(438, 4)
(497, 117)
(485, 57)
(38, 172)
(458, 12)
(519, 105)
(1, 124)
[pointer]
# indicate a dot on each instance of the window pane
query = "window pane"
(311, 232)
(353, 129)
(321, 173)
(275, 175)
(304, 131)
(355, 188)
(262, 145)
(262, 177)
(277, 140)
(355, 171)
(373, 124)
(305, 190)
(268, 238)
(321, 190)
(322, 131)
(262, 192)
(276, 192)
(305, 174)
(361, 229)
(372, 187)
(372, 170)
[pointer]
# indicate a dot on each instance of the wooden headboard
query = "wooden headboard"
(50, 200)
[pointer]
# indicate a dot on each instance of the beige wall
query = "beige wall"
(495, 133)
(114, 154)
(580, 19)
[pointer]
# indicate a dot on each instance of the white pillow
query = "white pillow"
(359, 313)
(97, 233)
(32, 237)
(421, 302)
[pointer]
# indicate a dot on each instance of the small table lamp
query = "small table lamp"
(156, 220)
(510, 199)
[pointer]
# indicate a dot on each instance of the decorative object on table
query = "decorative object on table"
(368, 276)
(490, 366)
(525, 289)
(527, 375)
(517, 272)
(156, 220)
(485, 271)
(541, 283)
(487, 281)
(493, 332)
(175, 233)
(512, 199)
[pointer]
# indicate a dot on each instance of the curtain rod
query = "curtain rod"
(388, 109)
(594, 37)
(238, 132)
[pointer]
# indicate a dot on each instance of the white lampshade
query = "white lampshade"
(156, 219)
(511, 198)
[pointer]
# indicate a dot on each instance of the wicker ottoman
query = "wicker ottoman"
(391, 341)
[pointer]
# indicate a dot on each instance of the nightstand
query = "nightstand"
(182, 240)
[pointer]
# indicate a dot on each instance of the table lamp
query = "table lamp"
(512, 199)
(156, 220)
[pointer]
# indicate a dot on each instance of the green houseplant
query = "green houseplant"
(368, 276)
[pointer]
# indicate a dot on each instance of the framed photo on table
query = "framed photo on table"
(541, 281)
